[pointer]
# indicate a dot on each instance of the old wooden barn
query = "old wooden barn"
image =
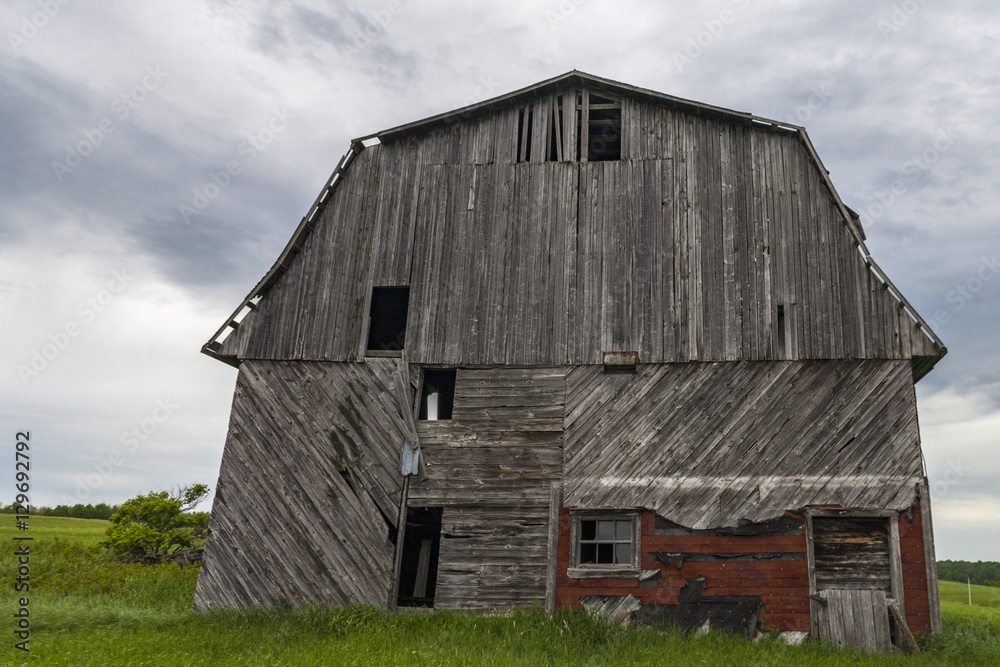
(586, 345)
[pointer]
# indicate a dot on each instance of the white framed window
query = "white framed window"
(604, 544)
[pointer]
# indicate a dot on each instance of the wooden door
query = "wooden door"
(853, 563)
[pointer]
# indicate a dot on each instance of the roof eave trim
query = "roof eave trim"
(858, 234)
(284, 259)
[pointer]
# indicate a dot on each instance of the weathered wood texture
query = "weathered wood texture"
(709, 240)
(491, 467)
(851, 553)
(309, 487)
(855, 618)
(492, 558)
(708, 445)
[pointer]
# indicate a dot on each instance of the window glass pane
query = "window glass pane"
(605, 530)
(606, 553)
(623, 530)
(623, 554)
(588, 530)
(588, 553)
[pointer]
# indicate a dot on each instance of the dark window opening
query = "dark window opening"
(419, 564)
(387, 318)
(438, 394)
(606, 542)
(604, 140)
(524, 135)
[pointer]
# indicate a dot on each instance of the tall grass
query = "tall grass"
(88, 610)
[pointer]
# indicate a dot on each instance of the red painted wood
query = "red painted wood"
(783, 586)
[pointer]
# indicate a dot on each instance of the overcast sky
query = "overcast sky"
(124, 245)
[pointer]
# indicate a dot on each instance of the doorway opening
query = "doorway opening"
(418, 567)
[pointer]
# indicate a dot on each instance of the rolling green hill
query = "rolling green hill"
(982, 596)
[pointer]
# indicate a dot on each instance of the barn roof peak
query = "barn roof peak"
(573, 78)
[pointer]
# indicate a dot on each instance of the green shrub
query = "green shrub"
(158, 523)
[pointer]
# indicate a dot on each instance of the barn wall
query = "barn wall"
(683, 250)
(709, 445)
(491, 467)
(770, 565)
(309, 488)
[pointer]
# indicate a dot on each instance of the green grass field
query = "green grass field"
(982, 596)
(89, 611)
(47, 528)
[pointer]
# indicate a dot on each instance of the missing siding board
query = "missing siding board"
(556, 135)
(387, 318)
(581, 126)
(783, 526)
(437, 397)
(781, 331)
(604, 136)
(524, 122)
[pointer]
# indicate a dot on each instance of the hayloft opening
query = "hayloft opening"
(418, 568)
(604, 135)
(437, 396)
(387, 318)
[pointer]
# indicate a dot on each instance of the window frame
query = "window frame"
(578, 570)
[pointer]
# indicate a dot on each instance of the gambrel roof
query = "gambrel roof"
(717, 236)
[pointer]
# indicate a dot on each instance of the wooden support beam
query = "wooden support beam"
(555, 498)
(909, 642)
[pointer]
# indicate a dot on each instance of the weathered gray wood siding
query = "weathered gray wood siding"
(316, 310)
(709, 445)
(490, 467)
(309, 487)
(682, 250)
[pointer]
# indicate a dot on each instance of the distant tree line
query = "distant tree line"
(78, 511)
(984, 573)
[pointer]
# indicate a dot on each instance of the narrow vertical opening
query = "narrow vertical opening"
(419, 564)
(387, 318)
(437, 395)
(781, 331)
(604, 140)
(576, 153)
(524, 128)
(555, 137)
(520, 136)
